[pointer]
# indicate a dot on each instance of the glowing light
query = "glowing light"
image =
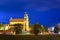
(59, 32)
(52, 28)
(6, 28)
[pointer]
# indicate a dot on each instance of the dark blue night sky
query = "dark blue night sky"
(46, 12)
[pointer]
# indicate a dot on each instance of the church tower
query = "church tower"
(26, 21)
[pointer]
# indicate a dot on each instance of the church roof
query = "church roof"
(17, 20)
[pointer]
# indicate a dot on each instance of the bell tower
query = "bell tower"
(26, 21)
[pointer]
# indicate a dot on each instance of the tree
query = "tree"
(56, 29)
(45, 29)
(1, 27)
(35, 28)
(17, 28)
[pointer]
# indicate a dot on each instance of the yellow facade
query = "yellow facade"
(24, 22)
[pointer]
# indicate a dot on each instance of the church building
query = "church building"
(24, 21)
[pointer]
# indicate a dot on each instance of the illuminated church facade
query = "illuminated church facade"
(24, 21)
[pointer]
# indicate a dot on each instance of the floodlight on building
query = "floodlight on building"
(6, 28)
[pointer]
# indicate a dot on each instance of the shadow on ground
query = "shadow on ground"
(29, 37)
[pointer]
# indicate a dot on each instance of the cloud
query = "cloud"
(42, 5)
(3, 2)
(37, 5)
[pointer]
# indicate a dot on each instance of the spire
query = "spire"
(11, 18)
(25, 14)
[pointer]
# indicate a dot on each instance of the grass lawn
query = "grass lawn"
(29, 37)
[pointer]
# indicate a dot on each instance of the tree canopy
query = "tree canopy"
(18, 28)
